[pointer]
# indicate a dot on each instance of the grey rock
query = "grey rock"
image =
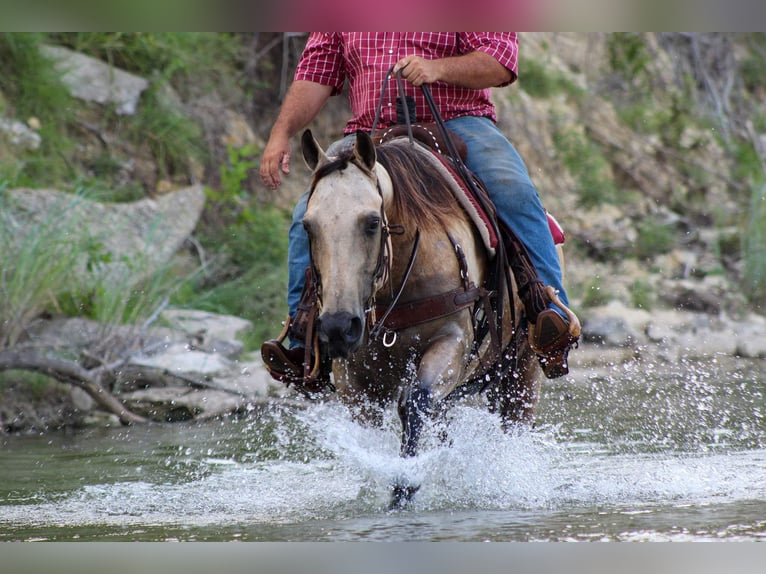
(133, 240)
(18, 134)
(95, 81)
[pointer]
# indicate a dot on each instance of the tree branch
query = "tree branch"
(71, 373)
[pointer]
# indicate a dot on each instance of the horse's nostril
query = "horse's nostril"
(354, 330)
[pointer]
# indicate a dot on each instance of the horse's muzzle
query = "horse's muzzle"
(341, 332)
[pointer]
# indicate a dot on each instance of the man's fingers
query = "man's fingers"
(270, 170)
(286, 163)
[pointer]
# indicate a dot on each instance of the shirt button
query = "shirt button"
(390, 51)
(389, 104)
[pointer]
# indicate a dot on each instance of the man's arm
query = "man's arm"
(477, 70)
(302, 103)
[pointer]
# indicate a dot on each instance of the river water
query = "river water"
(637, 452)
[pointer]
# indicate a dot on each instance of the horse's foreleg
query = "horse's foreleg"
(415, 407)
(438, 374)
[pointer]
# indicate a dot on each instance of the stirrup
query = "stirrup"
(300, 367)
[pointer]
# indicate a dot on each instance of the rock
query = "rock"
(750, 336)
(209, 331)
(238, 131)
(81, 400)
(92, 80)
(132, 240)
(615, 325)
(181, 359)
(19, 134)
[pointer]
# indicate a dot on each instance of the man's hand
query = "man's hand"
(475, 70)
(419, 71)
(275, 158)
(303, 101)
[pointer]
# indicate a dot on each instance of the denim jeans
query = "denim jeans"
(497, 163)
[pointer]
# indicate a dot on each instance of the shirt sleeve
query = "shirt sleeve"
(322, 61)
(503, 46)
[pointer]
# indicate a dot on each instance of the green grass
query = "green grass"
(654, 238)
(33, 89)
(37, 257)
(248, 276)
(754, 248)
(540, 82)
(591, 170)
(594, 294)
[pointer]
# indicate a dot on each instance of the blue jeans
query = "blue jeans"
(497, 163)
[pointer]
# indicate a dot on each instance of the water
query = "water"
(637, 452)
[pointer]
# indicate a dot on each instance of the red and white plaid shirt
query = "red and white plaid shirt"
(364, 58)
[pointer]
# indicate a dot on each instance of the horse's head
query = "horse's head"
(345, 223)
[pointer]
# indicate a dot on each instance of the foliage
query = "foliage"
(654, 238)
(753, 68)
(249, 277)
(188, 61)
(595, 295)
(629, 57)
(174, 139)
(754, 249)
(584, 161)
(39, 257)
(31, 85)
(36, 259)
(540, 82)
(642, 295)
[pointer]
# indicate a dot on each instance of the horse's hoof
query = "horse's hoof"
(401, 495)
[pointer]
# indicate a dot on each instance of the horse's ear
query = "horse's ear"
(313, 155)
(364, 150)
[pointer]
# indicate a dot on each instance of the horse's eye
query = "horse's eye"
(372, 224)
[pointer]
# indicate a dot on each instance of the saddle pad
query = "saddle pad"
(465, 198)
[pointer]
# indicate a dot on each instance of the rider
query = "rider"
(460, 69)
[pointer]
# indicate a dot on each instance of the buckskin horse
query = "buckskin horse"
(399, 270)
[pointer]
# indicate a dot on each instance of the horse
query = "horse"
(386, 233)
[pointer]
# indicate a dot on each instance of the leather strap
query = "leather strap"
(427, 309)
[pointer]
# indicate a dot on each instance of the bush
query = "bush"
(249, 275)
(754, 249)
(588, 166)
(654, 238)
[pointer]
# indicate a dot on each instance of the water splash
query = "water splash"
(320, 466)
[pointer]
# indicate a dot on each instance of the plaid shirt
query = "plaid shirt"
(364, 58)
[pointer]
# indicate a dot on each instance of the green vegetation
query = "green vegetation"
(754, 248)
(630, 58)
(36, 258)
(654, 238)
(243, 239)
(642, 295)
(540, 82)
(33, 92)
(253, 250)
(584, 160)
(595, 295)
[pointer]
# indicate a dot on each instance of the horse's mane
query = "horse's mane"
(420, 192)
